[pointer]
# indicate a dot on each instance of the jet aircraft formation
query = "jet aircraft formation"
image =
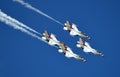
(50, 38)
(63, 48)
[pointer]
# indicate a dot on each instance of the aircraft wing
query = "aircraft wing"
(79, 32)
(75, 28)
(53, 37)
(70, 54)
(88, 45)
(69, 49)
(52, 42)
(73, 33)
(88, 48)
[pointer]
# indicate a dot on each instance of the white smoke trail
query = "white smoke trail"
(19, 23)
(27, 5)
(7, 20)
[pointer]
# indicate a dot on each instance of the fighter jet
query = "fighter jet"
(68, 52)
(87, 48)
(72, 28)
(50, 38)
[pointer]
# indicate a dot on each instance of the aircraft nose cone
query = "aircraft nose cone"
(84, 60)
(89, 38)
(102, 55)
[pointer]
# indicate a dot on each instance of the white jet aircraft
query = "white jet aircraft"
(50, 38)
(87, 48)
(72, 28)
(68, 52)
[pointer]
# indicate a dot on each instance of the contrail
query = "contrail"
(27, 5)
(9, 21)
(19, 23)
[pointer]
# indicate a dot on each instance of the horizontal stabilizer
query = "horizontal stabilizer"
(65, 28)
(44, 38)
(60, 50)
(78, 45)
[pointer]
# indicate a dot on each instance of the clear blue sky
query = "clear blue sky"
(24, 56)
